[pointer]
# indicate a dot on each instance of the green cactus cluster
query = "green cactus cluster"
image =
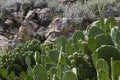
(93, 54)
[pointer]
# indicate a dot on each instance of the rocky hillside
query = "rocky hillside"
(23, 20)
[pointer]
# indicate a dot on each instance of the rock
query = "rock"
(26, 7)
(9, 22)
(111, 10)
(60, 27)
(31, 24)
(45, 16)
(24, 34)
(67, 1)
(12, 7)
(32, 16)
(26, 31)
(85, 22)
(11, 25)
(41, 34)
(7, 25)
(40, 4)
(13, 43)
(3, 43)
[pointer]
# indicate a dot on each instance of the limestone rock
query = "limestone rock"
(23, 34)
(3, 43)
(45, 16)
(60, 27)
(40, 4)
(26, 7)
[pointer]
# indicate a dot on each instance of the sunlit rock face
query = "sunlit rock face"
(3, 43)
(45, 16)
(60, 27)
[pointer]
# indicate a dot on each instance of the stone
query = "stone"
(40, 4)
(23, 34)
(26, 7)
(3, 43)
(45, 16)
(60, 27)
(30, 15)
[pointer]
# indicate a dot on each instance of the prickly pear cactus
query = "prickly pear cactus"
(110, 23)
(102, 75)
(93, 31)
(69, 48)
(53, 55)
(28, 78)
(40, 73)
(53, 71)
(78, 35)
(106, 52)
(115, 35)
(69, 75)
(103, 39)
(91, 44)
(61, 42)
(102, 66)
(28, 61)
(115, 69)
(30, 71)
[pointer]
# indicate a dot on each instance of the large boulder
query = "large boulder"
(26, 32)
(26, 7)
(12, 7)
(60, 27)
(45, 16)
(30, 15)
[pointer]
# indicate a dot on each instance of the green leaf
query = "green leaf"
(106, 52)
(78, 35)
(103, 39)
(91, 44)
(102, 75)
(102, 64)
(94, 31)
(28, 61)
(101, 24)
(22, 75)
(40, 73)
(11, 76)
(28, 78)
(53, 55)
(30, 71)
(69, 48)
(59, 65)
(69, 75)
(115, 35)
(61, 42)
(53, 71)
(116, 69)
(4, 72)
(110, 23)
